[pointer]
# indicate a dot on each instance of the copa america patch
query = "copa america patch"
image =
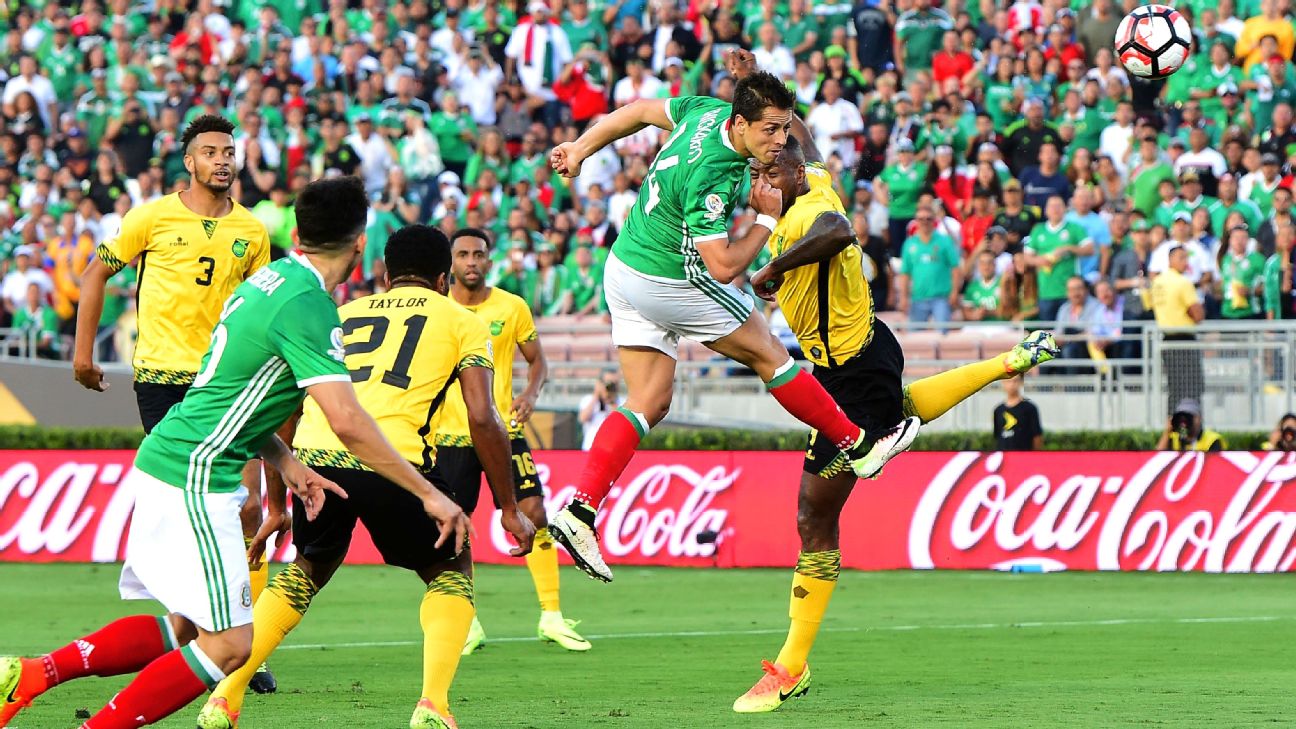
(715, 207)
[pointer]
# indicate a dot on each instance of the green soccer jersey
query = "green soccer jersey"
(904, 187)
(1044, 240)
(983, 295)
(1239, 277)
(1273, 285)
(1262, 195)
(929, 265)
(1219, 212)
(278, 334)
(688, 195)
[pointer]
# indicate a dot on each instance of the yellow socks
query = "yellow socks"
(274, 616)
(543, 563)
(259, 576)
(932, 397)
(812, 588)
(445, 615)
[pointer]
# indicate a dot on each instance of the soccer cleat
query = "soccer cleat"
(476, 637)
(1037, 348)
(573, 527)
(773, 689)
(263, 682)
(21, 680)
(892, 443)
(426, 716)
(554, 628)
(216, 714)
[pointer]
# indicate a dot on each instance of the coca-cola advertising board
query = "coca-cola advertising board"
(1225, 512)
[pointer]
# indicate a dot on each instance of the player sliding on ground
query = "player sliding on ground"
(511, 330)
(668, 276)
(278, 339)
(859, 362)
(405, 348)
(198, 245)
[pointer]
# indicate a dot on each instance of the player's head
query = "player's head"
(470, 257)
(331, 216)
(762, 114)
(787, 172)
(208, 144)
(418, 255)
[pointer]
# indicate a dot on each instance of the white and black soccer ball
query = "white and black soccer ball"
(1153, 41)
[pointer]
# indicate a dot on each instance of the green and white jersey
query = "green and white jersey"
(1044, 240)
(689, 193)
(1240, 276)
(278, 334)
(982, 294)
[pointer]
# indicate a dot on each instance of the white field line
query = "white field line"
(869, 629)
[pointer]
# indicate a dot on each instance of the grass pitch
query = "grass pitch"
(673, 648)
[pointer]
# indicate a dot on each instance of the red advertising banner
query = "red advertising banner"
(1227, 512)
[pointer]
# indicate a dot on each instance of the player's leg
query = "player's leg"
(542, 562)
(201, 575)
(803, 397)
(321, 546)
(251, 515)
(931, 397)
(460, 470)
(445, 614)
(819, 506)
(649, 374)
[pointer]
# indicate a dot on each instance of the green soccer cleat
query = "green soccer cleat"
(1036, 349)
(892, 443)
(216, 714)
(476, 637)
(773, 689)
(573, 527)
(554, 628)
(263, 682)
(13, 697)
(426, 716)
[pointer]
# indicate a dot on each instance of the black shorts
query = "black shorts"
(463, 472)
(404, 534)
(868, 389)
(154, 400)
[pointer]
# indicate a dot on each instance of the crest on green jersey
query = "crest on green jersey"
(240, 247)
(497, 327)
(714, 206)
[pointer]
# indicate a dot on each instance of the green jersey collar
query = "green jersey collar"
(303, 261)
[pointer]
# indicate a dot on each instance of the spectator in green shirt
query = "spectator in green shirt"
(1241, 276)
(983, 296)
(515, 277)
(899, 187)
(1278, 276)
(277, 215)
(37, 323)
(1053, 247)
(586, 284)
(552, 297)
(455, 133)
(918, 35)
(929, 272)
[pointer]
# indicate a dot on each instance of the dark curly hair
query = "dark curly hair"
(202, 125)
(759, 91)
(417, 250)
(331, 213)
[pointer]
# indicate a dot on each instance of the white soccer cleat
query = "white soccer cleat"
(892, 443)
(573, 527)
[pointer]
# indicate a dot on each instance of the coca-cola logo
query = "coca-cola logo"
(1164, 513)
(50, 514)
(663, 509)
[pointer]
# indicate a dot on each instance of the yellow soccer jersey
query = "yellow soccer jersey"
(510, 323)
(404, 349)
(188, 266)
(836, 285)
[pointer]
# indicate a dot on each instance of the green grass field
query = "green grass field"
(674, 647)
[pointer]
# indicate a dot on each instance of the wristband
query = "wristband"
(766, 220)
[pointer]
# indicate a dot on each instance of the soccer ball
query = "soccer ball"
(1153, 41)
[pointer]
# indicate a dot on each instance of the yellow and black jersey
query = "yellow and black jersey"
(828, 305)
(188, 266)
(404, 348)
(509, 320)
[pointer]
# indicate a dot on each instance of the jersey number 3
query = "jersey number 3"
(398, 375)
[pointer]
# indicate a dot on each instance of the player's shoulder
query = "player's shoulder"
(157, 208)
(501, 299)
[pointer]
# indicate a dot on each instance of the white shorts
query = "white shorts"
(649, 311)
(186, 551)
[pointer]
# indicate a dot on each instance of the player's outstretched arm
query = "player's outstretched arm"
(93, 282)
(360, 434)
(829, 235)
(567, 158)
(491, 442)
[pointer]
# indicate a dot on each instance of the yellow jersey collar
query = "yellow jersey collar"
(303, 261)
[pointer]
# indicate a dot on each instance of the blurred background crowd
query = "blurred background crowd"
(990, 154)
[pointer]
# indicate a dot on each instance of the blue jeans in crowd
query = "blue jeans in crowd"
(936, 310)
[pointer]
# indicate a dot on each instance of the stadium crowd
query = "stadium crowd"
(991, 155)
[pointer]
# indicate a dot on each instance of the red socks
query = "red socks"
(164, 687)
(805, 399)
(614, 445)
(124, 646)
